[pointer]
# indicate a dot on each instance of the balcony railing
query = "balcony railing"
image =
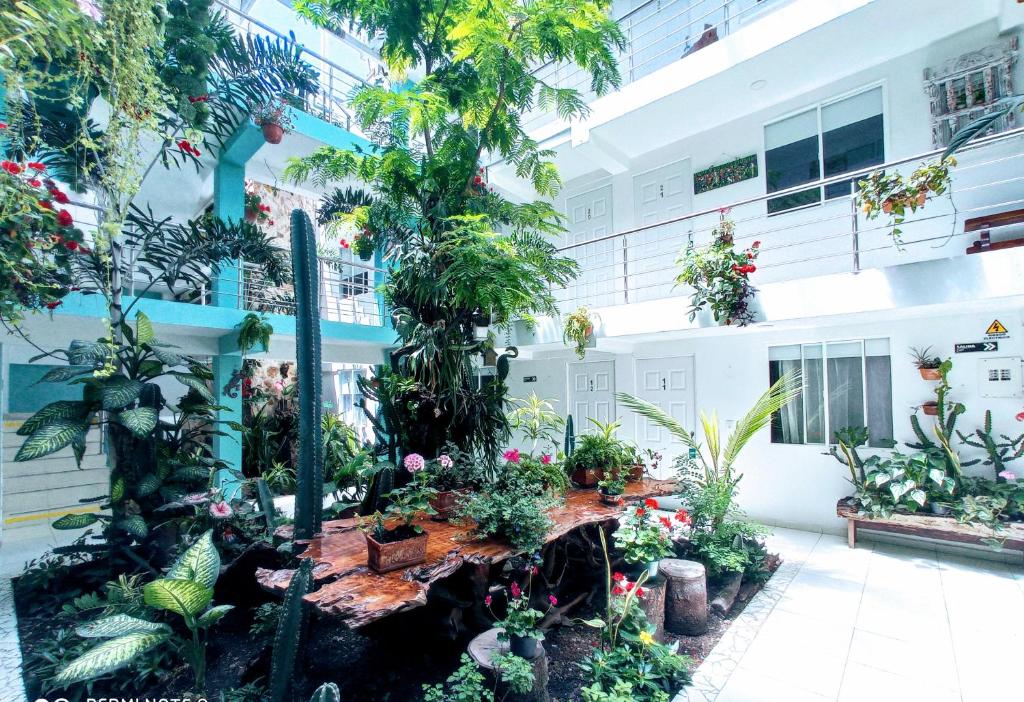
(659, 32)
(833, 236)
(331, 103)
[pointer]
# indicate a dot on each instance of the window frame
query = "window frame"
(826, 417)
(818, 107)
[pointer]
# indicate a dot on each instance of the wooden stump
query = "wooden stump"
(483, 648)
(653, 604)
(686, 597)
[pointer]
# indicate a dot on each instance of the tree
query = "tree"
(462, 254)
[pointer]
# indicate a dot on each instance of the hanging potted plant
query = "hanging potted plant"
(927, 366)
(579, 331)
(256, 211)
(273, 119)
(363, 245)
(889, 193)
(720, 276)
(393, 539)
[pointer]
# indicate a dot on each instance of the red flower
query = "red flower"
(535, 570)
(682, 516)
(516, 590)
(756, 244)
(3, 125)
(1020, 416)
(198, 98)
(640, 511)
(34, 182)
(45, 204)
(52, 305)
(487, 600)
(11, 167)
(640, 592)
(618, 577)
(59, 196)
(478, 180)
(71, 245)
(617, 590)
(665, 522)
(65, 219)
(630, 586)
(553, 600)
(751, 268)
(651, 502)
(36, 166)
(750, 255)
(270, 222)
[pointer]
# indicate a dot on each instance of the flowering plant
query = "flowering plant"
(892, 195)
(719, 274)
(520, 618)
(453, 470)
(613, 482)
(273, 111)
(40, 241)
(641, 538)
(255, 209)
(406, 504)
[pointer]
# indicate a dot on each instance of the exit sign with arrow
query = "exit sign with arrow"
(976, 347)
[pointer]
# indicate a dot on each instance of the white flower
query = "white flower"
(90, 9)
(1008, 475)
(445, 460)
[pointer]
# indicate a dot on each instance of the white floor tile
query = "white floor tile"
(862, 682)
(749, 686)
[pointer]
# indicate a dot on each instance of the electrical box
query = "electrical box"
(1000, 377)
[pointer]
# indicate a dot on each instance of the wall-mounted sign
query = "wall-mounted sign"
(529, 379)
(996, 330)
(975, 347)
(719, 176)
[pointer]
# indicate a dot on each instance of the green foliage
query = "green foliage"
(455, 470)
(577, 330)
(595, 451)
(944, 427)
(569, 444)
(188, 51)
(511, 509)
(999, 453)
(466, 684)
(889, 193)
(640, 538)
(265, 620)
(536, 419)
(551, 476)
(254, 330)
(328, 692)
(290, 631)
(717, 273)
(186, 591)
(310, 477)
(922, 360)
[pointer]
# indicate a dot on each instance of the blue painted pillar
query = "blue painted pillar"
(228, 448)
(228, 205)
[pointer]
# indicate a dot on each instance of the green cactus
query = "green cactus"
(266, 501)
(289, 634)
(999, 452)
(848, 440)
(944, 428)
(310, 473)
(328, 692)
(570, 437)
(381, 483)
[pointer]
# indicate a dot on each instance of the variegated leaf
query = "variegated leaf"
(148, 484)
(76, 521)
(119, 391)
(184, 597)
(140, 421)
(200, 562)
(135, 525)
(108, 656)
(144, 329)
(196, 383)
(119, 625)
(61, 409)
(214, 615)
(50, 438)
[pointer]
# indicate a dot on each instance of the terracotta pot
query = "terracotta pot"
(636, 473)
(585, 477)
(445, 504)
(930, 373)
(273, 133)
(931, 409)
(384, 558)
(610, 500)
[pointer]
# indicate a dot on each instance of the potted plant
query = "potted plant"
(404, 544)
(273, 119)
(612, 486)
(256, 212)
(719, 276)
(594, 454)
(931, 408)
(633, 459)
(927, 366)
(512, 508)
(363, 245)
(579, 331)
(520, 625)
(452, 475)
(643, 540)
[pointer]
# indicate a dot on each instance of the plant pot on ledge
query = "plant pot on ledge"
(930, 373)
(396, 553)
(586, 477)
(272, 132)
(523, 646)
(445, 504)
(931, 408)
(636, 473)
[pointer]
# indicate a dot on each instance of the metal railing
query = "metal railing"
(336, 83)
(659, 32)
(830, 236)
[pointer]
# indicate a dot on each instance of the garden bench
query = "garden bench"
(932, 526)
(346, 589)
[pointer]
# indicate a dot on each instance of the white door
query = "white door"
(650, 256)
(667, 383)
(589, 217)
(592, 394)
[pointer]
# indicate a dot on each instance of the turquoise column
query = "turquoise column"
(229, 206)
(228, 448)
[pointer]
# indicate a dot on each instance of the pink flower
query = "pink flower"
(1020, 416)
(90, 9)
(553, 600)
(196, 498)
(512, 455)
(487, 600)
(445, 461)
(414, 463)
(220, 510)
(516, 590)
(546, 458)
(1008, 475)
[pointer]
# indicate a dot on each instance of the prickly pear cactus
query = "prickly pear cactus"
(310, 471)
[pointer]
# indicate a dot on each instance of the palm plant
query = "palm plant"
(536, 419)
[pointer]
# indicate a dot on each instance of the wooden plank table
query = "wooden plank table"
(931, 526)
(348, 590)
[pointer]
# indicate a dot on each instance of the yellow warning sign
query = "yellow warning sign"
(996, 329)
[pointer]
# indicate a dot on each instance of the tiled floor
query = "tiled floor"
(880, 623)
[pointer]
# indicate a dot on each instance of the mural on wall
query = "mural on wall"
(724, 174)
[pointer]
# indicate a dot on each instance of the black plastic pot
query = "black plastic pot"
(523, 646)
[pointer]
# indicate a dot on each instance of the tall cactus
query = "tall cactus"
(999, 452)
(288, 637)
(310, 472)
(570, 437)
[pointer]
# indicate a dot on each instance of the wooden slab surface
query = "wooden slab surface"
(347, 589)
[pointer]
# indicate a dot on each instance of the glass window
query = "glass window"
(836, 138)
(845, 384)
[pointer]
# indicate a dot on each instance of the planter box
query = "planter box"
(384, 558)
(931, 526)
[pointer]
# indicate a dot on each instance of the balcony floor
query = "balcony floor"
(881, 622)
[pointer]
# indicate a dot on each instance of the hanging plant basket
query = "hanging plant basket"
(272, 132)
(395, 555)
(612, 499)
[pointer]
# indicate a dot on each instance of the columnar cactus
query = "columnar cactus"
(570, 437)
(290, 630)
(310, 471)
